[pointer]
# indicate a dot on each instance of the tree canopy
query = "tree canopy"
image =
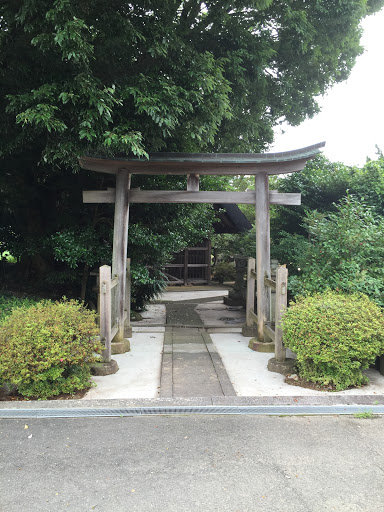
(117, 76)
(108, 78)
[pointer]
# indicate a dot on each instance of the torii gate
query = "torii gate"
(193, 165)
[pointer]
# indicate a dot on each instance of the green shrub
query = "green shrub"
(224, 272)
(46, 349)
(147, 284)
(343, 250)
(335, 337)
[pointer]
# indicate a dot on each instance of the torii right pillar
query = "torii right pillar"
(261, 342)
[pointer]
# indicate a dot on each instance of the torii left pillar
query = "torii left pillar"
(120, 244)
(263, 252)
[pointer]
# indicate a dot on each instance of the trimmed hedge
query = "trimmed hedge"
(46, 349)
(335, 337)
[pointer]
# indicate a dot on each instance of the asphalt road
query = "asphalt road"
(192, 463)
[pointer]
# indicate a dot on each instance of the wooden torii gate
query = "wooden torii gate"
(194, 165)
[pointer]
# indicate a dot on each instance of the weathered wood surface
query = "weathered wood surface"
(99, 196)
(105, 311)
(193, 182)
(288, 199)
(281, 306)
(120, 243)
(249, 320)
(269, 332)
(182, 196)
(270, 283)
(207, 163)
(204, 169)
(252, 315)
(128, 287)
(262, 252)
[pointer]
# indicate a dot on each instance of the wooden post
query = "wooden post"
(120, 243)
(249, 318)
(262, 252)
(185, 267)
(128, 287)
(193, 182)
(281, 306)
(105, 311)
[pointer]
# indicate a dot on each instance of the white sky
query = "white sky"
(351, 120)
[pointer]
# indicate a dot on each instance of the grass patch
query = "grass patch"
(364, 415)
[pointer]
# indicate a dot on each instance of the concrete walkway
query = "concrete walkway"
(191, 365)
(169, 361)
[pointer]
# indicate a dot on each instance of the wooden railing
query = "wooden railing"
(272, 326)
(110, 317)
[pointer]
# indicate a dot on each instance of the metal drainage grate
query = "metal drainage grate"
(269, 410)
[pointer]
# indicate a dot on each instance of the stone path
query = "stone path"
(191, 365)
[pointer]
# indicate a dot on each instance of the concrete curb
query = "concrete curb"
(233, 401)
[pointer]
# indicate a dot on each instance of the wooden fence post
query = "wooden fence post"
(280, 363)
(128, 288)
(105, 311)
(281, 306)
(249, 329)
(249, 320)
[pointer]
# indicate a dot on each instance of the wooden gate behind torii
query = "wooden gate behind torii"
(193, 165)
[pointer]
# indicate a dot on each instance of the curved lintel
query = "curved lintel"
(207, 163)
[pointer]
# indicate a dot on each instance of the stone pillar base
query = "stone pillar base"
(127, 331)
(229, 301)
(248, 330)
(120, 347)
(261, 346)
(102, 369)
(284, 367)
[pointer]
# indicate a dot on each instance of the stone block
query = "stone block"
(102, 369)
(261, 346)
(284, 367)
(120, 347)
(128, 331)
(248, 330)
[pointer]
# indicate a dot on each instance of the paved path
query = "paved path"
(191, 365)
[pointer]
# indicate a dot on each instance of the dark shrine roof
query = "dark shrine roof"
(232, 219)
(206, 163)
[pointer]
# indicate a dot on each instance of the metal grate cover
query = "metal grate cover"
(269, 410)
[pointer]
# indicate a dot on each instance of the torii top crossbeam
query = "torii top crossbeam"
(207, 163)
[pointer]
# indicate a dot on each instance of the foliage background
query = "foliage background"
(335, 239)
(130, 78)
